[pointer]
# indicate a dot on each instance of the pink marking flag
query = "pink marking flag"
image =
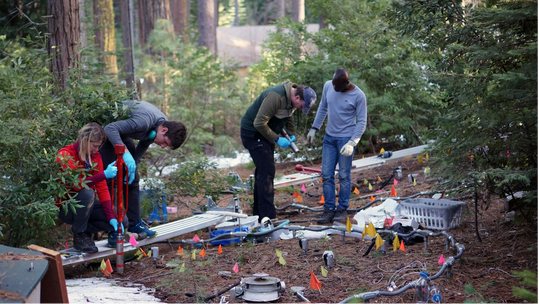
(441, 260)
(395, 182)
(303, 188)
(196, 238)
(236, 268)
(67, 247)
(133, 241)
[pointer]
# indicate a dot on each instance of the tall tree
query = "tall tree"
(180, 15)
(128, 24)
(298, 10)
(64, 37)
(206, 25)
(486, 66)
(105, 33)
(83, 26)
(149, 11)
(281, 12)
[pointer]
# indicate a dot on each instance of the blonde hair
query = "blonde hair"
(88, 134)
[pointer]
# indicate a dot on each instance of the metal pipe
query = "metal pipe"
(120, 211)
(292, 145)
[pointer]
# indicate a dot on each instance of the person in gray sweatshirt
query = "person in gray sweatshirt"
(345, 106)
(147, 124)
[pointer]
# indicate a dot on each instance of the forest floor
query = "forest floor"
(484, 273)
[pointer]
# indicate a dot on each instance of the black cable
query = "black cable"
(388, 180)
(370, 247)
(222, 291)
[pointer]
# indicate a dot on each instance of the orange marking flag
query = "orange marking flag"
(322, 201)
(393, 191)
(202, 253)
(315, 283)
(220, 249)
(402, 246)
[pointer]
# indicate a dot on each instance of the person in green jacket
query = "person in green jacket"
(261, 128)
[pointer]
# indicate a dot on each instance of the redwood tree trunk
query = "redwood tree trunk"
(298, 7)
(180, 17)
(126, 9)
(206, 24)
(64, 37)
(105, 34)
(148, 12)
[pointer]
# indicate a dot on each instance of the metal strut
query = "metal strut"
(117, 201)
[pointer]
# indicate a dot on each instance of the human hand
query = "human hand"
(111, 170)
(292, 138)
(131, 165)
(283, 142)
(348, 149)
(310, 136)
(114, 224)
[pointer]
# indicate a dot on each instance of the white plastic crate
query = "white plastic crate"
(437, 214)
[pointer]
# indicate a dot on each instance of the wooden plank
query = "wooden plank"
(53, 285)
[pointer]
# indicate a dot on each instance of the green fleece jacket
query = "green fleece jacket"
(271, 112)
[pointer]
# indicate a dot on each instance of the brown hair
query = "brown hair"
(88, 134)
(177, 132)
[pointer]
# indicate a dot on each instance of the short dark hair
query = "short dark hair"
(177, 132)
(299, 91)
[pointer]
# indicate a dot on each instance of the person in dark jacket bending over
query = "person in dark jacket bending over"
(261, 128)
(147, 124)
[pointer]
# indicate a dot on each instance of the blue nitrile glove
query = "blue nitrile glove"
(111, 170)
(283, 142)
(114, 224)
(131, 165)
(292, 138)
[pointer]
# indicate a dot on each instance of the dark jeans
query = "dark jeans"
(261, 151)
(133, 207)
(89, 218)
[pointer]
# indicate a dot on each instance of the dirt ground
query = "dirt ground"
(485, 273)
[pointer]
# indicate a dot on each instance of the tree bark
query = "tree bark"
(206, 25)
(126, 9)
(148, 12)
(82, 18)
(298, 7)
(64, 38)
(180, 17)
(322, 22)
(237, 13)
(280, 9)
(105, 33)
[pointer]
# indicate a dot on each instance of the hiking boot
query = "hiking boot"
(83, 242)
(326, 217)
(340, 216)
(140, 228)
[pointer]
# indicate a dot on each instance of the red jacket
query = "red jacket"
(96, 179)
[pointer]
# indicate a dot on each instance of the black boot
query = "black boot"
(327, 216)
(340, 216)
(83, 242)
